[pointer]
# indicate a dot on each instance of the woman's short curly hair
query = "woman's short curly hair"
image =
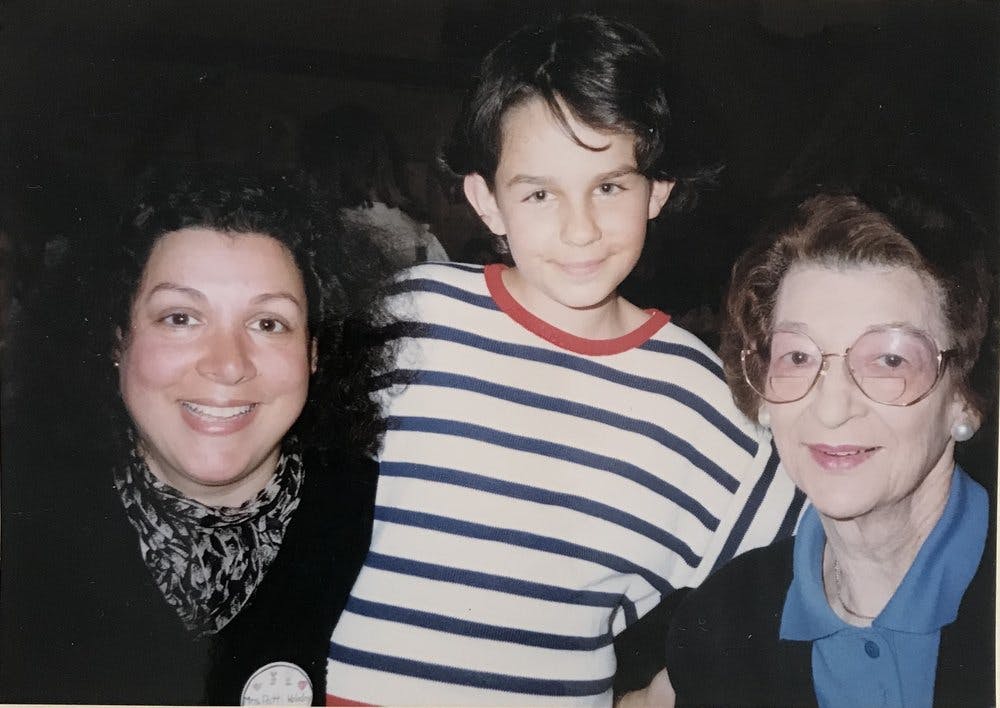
(342, 276)
(883, 225)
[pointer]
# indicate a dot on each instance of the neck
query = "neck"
(612, 317)
(874, 551)
(232, 493)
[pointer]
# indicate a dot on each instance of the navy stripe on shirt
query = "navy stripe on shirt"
(433, 286)
(481, 630)
(589, 367)
(467, 677)
(682, 350)
(571, 408)
(525, 492)
(749, 511)
(559, 452)
(514, 537)
(487, 581)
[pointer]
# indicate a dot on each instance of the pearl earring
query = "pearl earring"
(764, 417)
(962, 431)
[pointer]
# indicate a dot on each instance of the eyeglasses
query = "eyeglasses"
(893, 365)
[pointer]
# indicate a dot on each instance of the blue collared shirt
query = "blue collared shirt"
(892, 662)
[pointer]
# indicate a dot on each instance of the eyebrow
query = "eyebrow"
(199, 295)
(174, 287)
(803, 328)
(280, 295)
(541, 179)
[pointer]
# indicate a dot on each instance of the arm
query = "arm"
(658, 694)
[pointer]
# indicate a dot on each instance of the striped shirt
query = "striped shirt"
(538, 493)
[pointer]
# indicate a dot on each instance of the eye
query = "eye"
(539, 195)
(798, 358)
(269, 325)
(609, 188)
(179, 319)
(893, 361)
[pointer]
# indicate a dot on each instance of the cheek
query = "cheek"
(524, 228)
(785, 427)
(287, 368)
(149, 364)
(626, 219)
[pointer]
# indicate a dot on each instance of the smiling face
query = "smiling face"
(849, 454)
(575, 219)
(215, 367)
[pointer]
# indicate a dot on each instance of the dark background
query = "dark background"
(782, 92)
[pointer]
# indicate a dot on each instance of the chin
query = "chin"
(220, 472)
(842, 504)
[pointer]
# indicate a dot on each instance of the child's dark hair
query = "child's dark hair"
(608, 73)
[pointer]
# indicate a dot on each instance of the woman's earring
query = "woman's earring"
(764, 417)
(962, 431)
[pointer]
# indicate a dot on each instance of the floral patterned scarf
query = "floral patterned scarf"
(207, 560)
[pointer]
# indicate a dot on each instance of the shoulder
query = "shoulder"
(723, 647)
(746, 593)
(967, 653)
(419, 292)
(682, 346)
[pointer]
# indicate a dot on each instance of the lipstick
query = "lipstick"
(217, 417)
(841, 457)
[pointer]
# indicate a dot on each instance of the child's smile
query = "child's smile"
(575, 219)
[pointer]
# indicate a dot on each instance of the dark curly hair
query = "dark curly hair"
(896, 223)
(343, 279)
(608, 73)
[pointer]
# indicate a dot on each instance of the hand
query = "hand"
(658, 694)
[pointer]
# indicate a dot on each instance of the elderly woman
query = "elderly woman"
(857, 335)
(193, 538)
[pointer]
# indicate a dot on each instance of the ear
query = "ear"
(764, 415)
(313, 355)
(482, 200)
(658, 196)
(961, 411)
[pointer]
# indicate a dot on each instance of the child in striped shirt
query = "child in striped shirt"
(558, 459)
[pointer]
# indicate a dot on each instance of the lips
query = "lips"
(580, 269)
(841, 457)
(217, 412)
(222, 418)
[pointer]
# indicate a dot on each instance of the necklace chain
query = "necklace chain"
(840, 597)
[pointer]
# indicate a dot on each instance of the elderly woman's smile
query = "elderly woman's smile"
(216, 366)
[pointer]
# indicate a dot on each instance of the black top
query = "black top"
(723, 647)
(82, 620)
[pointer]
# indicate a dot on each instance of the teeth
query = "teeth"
(217, 411)
(848, 453)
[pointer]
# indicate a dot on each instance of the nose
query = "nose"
(226, 358)
(579, 227)
(837, 398)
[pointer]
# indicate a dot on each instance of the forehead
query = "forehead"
(838, 304)
(532, 138)
(208, 257)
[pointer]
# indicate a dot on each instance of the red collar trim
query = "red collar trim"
(580, 345)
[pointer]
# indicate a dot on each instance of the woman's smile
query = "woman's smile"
(217, 419)
(841, 457)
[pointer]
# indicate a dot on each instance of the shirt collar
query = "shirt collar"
(932, 589)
